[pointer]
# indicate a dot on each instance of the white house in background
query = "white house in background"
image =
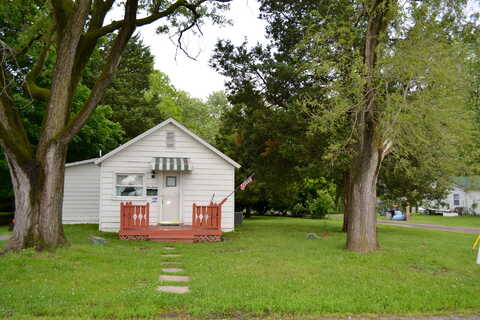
(465, 194)
(168, 166)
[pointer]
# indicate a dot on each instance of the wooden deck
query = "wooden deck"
(135, 225)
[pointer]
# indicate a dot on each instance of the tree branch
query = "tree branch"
(58, 108)
(140, 22)
(13, 136)
(147, 20)
(111, 65)
(30, 86)
(62, 10)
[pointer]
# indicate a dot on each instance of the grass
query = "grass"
(267, 268)
(460, 221)
(4, 230)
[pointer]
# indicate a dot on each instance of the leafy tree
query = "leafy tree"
(126, 94)
(67, 32)
(203, 118)
(373, 78)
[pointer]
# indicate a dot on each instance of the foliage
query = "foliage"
(295, 99)
(315, 198)
(203, 118)
(125, 96)
(274, 275)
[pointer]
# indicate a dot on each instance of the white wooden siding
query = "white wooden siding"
(210, 174)
(81, 200)
(467, 199)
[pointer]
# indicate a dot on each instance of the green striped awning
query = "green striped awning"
(171, 164)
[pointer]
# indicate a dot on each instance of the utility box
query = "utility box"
(238, 220)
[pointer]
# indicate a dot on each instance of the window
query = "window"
(171, 181)
(170, 139)
(129, 185)
(152, 192)
(456, 199)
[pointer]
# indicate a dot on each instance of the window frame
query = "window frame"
(116, 185)
(456, 199)
(166, 181)
(170, 143)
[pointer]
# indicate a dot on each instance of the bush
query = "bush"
(322, 205)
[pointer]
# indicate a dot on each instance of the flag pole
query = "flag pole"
(226, 198)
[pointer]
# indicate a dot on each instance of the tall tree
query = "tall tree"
(71, 30)
(201, 117)
(126, 94)
(373, 78)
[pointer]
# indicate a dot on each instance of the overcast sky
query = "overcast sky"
(196, 77)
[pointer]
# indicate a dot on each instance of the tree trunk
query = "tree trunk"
(369, 150)
(362, 220)
(248, 212)
(38, 187)
(346, 201)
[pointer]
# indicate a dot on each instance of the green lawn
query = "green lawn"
(460, 221)
(267, 268)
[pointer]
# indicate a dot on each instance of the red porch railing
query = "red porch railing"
(209, 216)
(134, 215)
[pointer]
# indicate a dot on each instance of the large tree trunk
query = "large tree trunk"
(368, 152)
(38, 187)
(362, 230)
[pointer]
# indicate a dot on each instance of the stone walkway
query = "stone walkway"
(170, 269)
(430, 226)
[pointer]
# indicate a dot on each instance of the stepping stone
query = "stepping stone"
(170, 255)
(169, 248)
(172, 270)
(173, 289)
(174, 278)
(171, 263)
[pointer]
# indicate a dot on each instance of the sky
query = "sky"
(196, 77)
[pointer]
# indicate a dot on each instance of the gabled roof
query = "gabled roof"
(159, 126)
(467, 183)
(77, 163)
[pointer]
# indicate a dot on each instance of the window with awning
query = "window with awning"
(171, 164)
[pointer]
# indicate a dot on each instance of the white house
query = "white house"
(465, 194)
(167, 166)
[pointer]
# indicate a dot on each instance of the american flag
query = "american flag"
(244, 184)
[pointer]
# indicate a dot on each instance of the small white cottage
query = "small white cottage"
(168, 167)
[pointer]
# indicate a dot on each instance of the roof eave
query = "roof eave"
(160, 125)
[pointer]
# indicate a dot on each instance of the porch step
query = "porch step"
(171, 237)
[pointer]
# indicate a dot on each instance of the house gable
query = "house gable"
(164, 124)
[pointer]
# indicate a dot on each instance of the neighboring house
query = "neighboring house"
(465, 194)
(167, 166)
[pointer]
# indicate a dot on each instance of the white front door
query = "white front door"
(171, 195)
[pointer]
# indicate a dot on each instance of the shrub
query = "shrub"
(322, 205)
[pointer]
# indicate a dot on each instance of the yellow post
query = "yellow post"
(475, 243)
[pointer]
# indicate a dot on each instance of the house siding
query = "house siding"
(81, 200)
(210, 174)
(468, 199)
